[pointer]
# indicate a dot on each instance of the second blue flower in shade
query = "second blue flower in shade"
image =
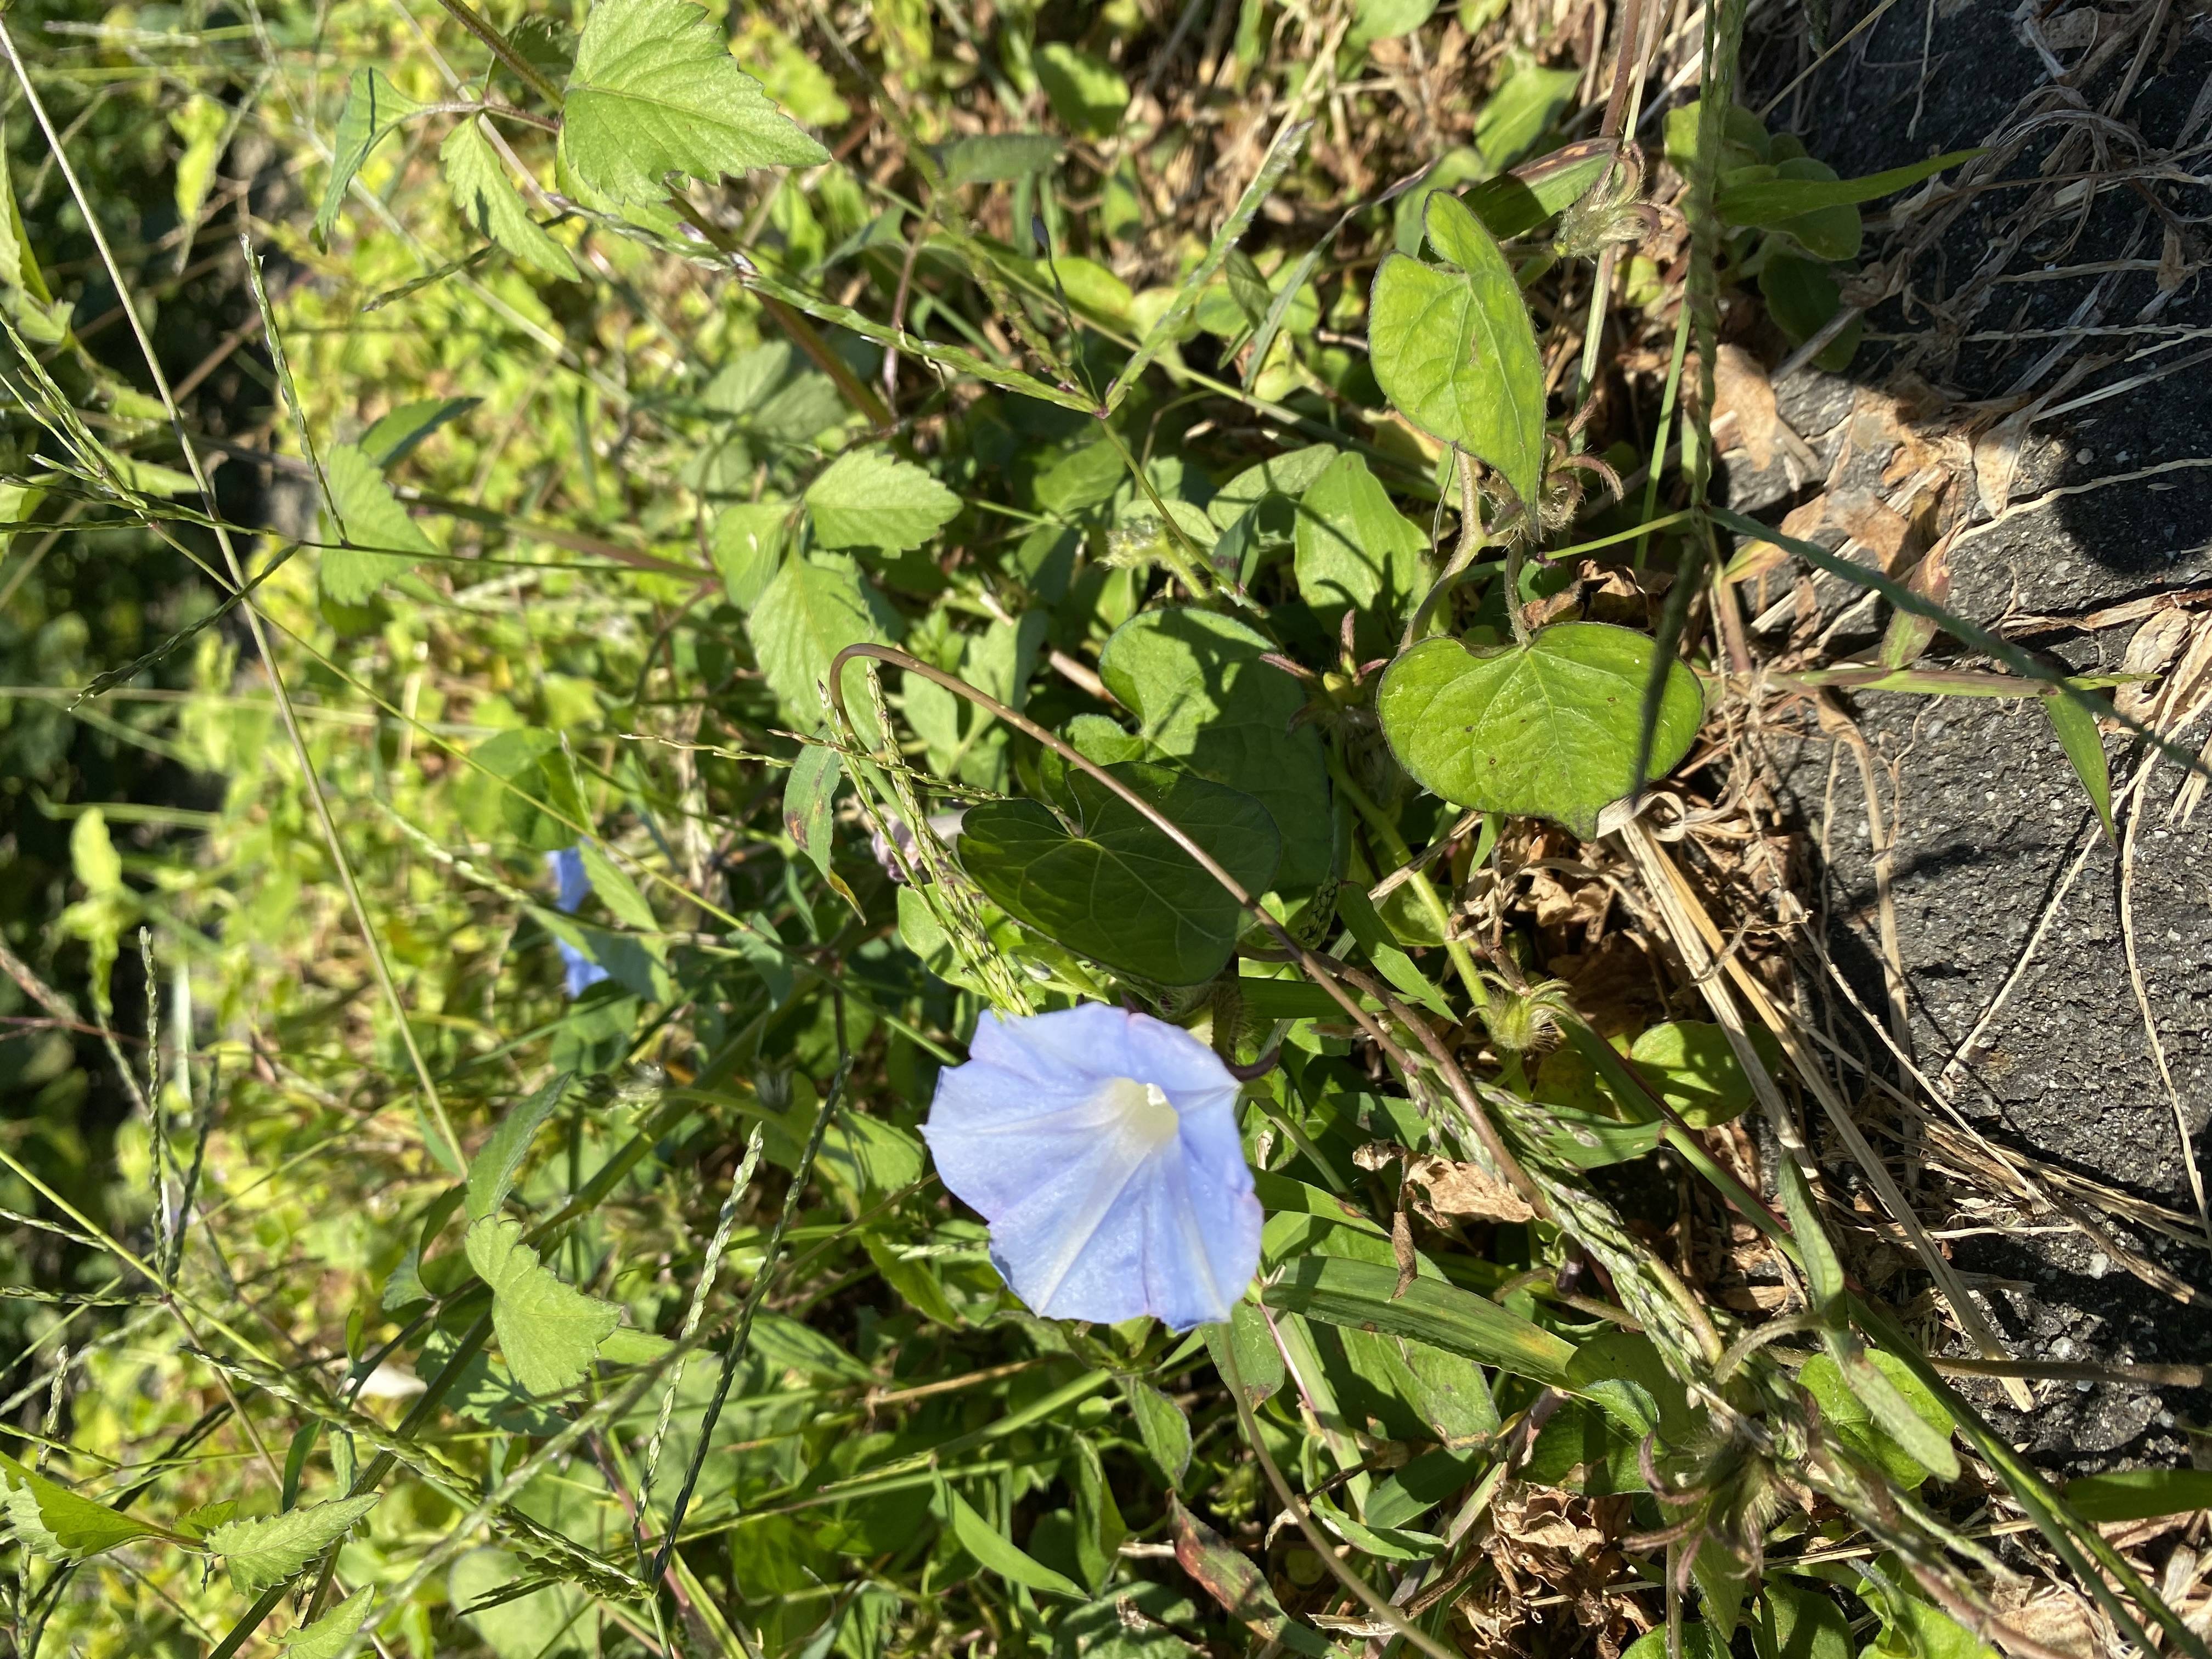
(1102, 1148)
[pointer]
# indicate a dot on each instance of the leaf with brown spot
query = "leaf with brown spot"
(1224, 1573)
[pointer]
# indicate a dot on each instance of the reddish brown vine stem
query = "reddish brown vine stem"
(1315, 968)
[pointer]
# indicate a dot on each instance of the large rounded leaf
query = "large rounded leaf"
(1112, 886)
(1549, 729)
(1455, 350)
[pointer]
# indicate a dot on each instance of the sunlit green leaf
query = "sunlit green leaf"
(871, 498)
(1773, 200)
(264, 1552)
(2138, 1494)
(1086, 92)
(1354, 547)
(998, 1554)
(379, 538)
(548, 1331)
(2085, 751)
(1549, 729)
(488, 201)
(49, 1519)
(1847, 1413)
(492, 1170)
(1796, 1621)
(1454, 350)
(330, 1635)
(655, 92)
(815, 608)
(374, 107)
(1164, 1429)
(1363, 1296)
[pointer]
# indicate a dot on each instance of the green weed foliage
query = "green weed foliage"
(846, 488)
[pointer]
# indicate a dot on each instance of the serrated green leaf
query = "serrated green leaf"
(870, 499)
(997, 1553)
(654, 91)
(374, 107)
(488, 199)
(549, 1332)
(201, 1517)
(51, 1521)
(379, 538)
(1354, 548)
(491, 1172)
(1362, 1296)
(815, 608)
(1113, 887)
(1453, 349)
(1549, 729)
(264, 1552)
(330, 1635)
(1203, 698)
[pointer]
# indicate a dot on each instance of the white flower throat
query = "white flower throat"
(1141, 1110)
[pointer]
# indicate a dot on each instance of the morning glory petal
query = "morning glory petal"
(1103, 1147)
(580, 972)
(572, 885)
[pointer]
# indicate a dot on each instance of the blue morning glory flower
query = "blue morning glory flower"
(572, 884)
(1102, 1147)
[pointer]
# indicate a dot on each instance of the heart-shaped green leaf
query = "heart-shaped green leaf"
(1111, 886)
(1203, 697)
(1354, 547)
(1453, 349)
(1548, 729)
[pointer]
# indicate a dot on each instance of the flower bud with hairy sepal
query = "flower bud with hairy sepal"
(1609, 213)
(1521, 1017)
